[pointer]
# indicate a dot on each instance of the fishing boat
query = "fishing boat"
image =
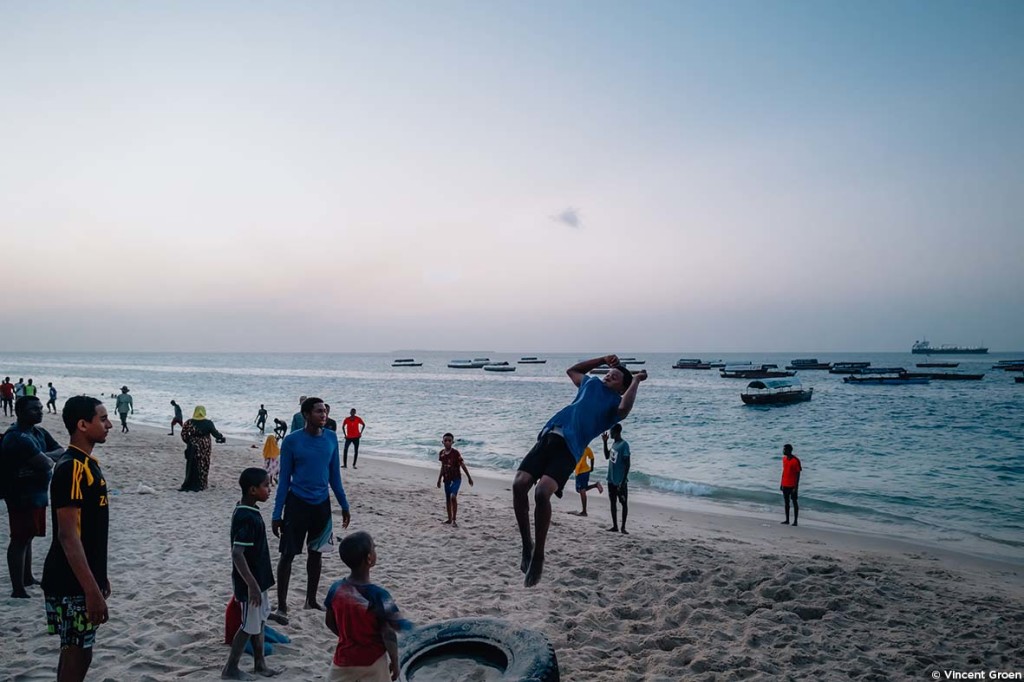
(496, 364)
(775, 392)
(531, 360)
(808, 363)
(847, 367)
(1010, 365)
(753, 372)
(691, 363)
(503, 367)
(938, 364)
(716, 364)
(462, 364)
(480, 362)
(925, 348)
(891, 380)
(406, 362)
(946, 376)
(631, 361)
(1019, 380)
(600, 370)
(862, 371)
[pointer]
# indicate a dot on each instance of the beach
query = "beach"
(687, 595)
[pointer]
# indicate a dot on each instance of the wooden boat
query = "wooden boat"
(1010, 365)
(1019, 380)
(601, 370)
(897, 380)
(499, 368)
(406, 362)
(480, 362)
(752, 372)
(496, 364)
(938, 364)
(716, 364)
(847, 367)
(691, 363)
(775, 392)
(531, 360)
(945, 376)
(632, 361)
(877, 370)
(809, 363)
(462, 364)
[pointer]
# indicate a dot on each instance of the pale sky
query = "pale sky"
(551, 176)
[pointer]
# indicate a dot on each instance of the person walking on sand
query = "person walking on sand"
(618, 475)
(298, 422)
(51, 404)
(27, 455)
(30, 389)
(261, 419)
(353, 427)
(252, 574)
(7, 396)
(75, 581)
(123, 406)
(452, 466)
(790, 484)
(302, 508)
(196, 435)
(583, 484)
(599, 404)
(19, 389)
(178, 417)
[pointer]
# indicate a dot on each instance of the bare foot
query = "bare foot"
(524, 565)
(600, 488)
(235, 674)
(20, 594)
(264, 671)
(30, 581)
(279, 617)
(785, 523)
(582, 513)
(533, 574)
(455, 524)
(447, 523)
(613, 529)
(624, 531)
(313, 605)
(794, 523)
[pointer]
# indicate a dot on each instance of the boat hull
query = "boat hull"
(781, 398)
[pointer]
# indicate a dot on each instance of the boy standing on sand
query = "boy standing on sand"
(791, 469)
(452, 466)
(583, 484)
(353, 427)
(75, 580)
(364, 617)
(618, 475)
(599, 404)
(251, 574)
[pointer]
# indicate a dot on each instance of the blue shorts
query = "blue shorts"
(582, 481)
(451, 488)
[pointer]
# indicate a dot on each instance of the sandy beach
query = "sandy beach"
(686, 595)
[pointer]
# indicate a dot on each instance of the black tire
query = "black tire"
(523, 655)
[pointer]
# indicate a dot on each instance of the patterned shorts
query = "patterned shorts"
(66, 616)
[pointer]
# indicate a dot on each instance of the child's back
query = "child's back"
(360, 611)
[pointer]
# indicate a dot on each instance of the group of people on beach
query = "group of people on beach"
(307, 471)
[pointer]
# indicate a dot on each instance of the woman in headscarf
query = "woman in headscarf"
(196, 434)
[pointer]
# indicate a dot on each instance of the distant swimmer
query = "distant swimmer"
(178, 418)
(280, 428)
(618, 475)
(583, 484)
(791, 469)
(261, 419)
(599, 404)
(452, 466)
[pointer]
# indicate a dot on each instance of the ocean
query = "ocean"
(941, 463)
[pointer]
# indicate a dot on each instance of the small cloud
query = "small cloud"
(570, 217)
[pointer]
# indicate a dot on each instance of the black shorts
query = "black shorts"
(306, 524)
(550, 457)
(619, 492)
(789, 493)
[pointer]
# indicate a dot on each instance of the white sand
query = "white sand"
(685, 596)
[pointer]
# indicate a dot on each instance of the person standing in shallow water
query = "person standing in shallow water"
(790, 484)
(124, 405)
(261, 419)
(599, 404)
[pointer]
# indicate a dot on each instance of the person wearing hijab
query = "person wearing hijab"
(196, 435)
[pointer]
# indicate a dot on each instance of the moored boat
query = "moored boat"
(753, 372)
(406, 362)
(892, 380)
(877, 370)
(691, 363)
(462, 364)
(783, 391)
(808, 363)
(945, 376)
(847, 367)
(480, 362)
(499, 368)
(938, 364)
(632, 361)
(1010, 365)
(531, 360)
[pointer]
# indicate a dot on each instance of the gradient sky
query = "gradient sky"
(655, 176)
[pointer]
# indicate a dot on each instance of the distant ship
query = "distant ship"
(925, 348)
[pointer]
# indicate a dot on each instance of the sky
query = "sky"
(549, 176)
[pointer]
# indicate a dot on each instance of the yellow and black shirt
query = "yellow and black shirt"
(78, 482)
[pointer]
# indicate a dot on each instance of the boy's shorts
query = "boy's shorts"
(253, 617)
(27, 523)
(451, 488)
(582, 481)
(177, 421)
(306, 524)
(66, 616)
(377, 672)
(550, 457)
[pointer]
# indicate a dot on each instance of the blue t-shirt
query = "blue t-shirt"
(310, 468)
(26, 488)
(298, 422)
(594, 411)
(53, 393)
(618, 460)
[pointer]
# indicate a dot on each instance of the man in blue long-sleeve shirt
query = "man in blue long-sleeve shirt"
(302, 510)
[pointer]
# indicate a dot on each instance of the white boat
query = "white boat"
(406, 362)
(531, 360)
(463, 364)
(499, 368)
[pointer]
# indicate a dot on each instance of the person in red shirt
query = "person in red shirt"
(791, 469)
(364, 617)
(353, 427)
(452, 466)
(7, 396)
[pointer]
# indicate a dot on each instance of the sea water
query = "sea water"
(942, 463)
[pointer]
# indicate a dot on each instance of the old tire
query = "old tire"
(520, 654)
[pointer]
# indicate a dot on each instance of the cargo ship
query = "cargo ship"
(925, 348)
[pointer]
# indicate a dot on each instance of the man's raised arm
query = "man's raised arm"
(579, 371)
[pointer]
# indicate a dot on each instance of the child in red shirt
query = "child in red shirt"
(791, 469)
(452, 466)
(364, 617)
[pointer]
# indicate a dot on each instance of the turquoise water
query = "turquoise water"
(942, 462)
